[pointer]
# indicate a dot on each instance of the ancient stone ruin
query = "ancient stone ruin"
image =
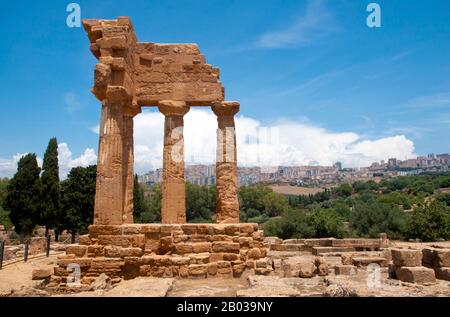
(172, 77)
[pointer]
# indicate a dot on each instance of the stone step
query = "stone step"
(365, 261)
(323, 250)
(288, 247)
(294, 241)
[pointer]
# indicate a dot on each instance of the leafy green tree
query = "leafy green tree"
(200, 202)
(152, 208)
(77, 200)
(430, 222)
(444, 198)
(138, 199)
(369, 219)
(344, 190)
(292, 224)
(50, 191)
(22, 196)
(326, 223)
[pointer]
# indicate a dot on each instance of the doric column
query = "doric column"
(109, 184)
(227, 205)
(128, 164)
(173, 207)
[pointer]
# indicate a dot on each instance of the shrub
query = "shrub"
(371, 219)
(429, 223)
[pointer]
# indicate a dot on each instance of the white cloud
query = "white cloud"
(315, 23)
(67, 162)
(283, 143)
(8, 167)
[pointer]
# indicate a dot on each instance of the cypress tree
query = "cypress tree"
(77, 200)
(50, 191)
(22, 196)
(138, 199)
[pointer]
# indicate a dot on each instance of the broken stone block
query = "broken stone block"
(345, 270)
(406, 257)
(41, 273)
(228, 247)
(77, 250)
(198, 270)
(417, 274)
(436, 257)
(297, 266)
(442, 273)
(365, 261)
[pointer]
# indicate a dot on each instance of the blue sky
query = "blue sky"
(315, 63)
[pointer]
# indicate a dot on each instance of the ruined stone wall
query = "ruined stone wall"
(186, 251)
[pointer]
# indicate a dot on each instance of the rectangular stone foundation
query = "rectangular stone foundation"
(163, 250)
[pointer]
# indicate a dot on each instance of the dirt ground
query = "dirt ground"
(15, 280)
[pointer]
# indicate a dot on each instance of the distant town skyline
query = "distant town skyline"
(332, 88)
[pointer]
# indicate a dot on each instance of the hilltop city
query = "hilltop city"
(314, 175)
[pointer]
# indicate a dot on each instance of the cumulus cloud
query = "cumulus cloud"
(8, 167)
(283, 143)
(67, 162)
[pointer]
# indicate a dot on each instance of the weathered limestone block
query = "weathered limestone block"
(65, 260)
(95, 251)
(345, 270)
(272, 240)
(365, 261)
(298, 267)
(156, 260)
(442, 273)
(84, 240)
(173, 209)
(199, 258)
(117, 252)
(324, 250)
(287, 247)
(198, 270)
(254, 253)
(322, 242)
(184, 248)
(417, 274)
(201, 247)
(292, 241)
(116, 240)
(166, 245)
(97, 230)
(224, 268)
(248, 228)
(228, 247)
(41, 273)
(109, 266)
(436, 257)
(180, 260)
(77, 250)
(321, 266)
(406, 257)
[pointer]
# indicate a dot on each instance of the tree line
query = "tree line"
(36, 196)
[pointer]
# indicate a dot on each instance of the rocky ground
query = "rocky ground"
(15, 280)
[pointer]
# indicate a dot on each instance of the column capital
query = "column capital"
(226, 108)
(132, 110)
(173, 107)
